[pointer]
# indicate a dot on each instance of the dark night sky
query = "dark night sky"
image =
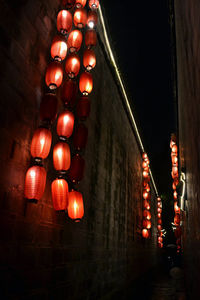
(140, 38)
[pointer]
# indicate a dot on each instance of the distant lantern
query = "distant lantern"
(159, 227)
(76, 170)
(174, 160)
(145, 174)
(146, 224)
(145, 195)
(72, 65)
(144, 155)
(160, 239)
(92, 19)
(173, 186)
(159, 215)
(147, 214)
(75, 206)
(175, 171)
(80, 3)
(64, 21)
(80, 137)
(69, 92)
(35, 182)
(68, 3)
(61, 157)
(146, 204)
(59, 192)
(89, 59)
(83, 108)
(90, 38)
(145, 233)
(41, 143)
(58, 48)
(93, 4)
(177, 219)
(85, 83)
(176, 208)
(177, 232)
(159, 204)
(48, 108)
(144, 164)
(159, 210)
(147, 188)
(74, 41)
(160, 221)
(54, 75)
(65, 124)
(80, 18)
(175, 195)
(174, 149)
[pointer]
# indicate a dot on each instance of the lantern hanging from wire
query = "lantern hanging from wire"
(58, 48)
(35, 182)
(54, 75)
(41, 143)
(75, 206)
(59, 192)
(65, 124)
(64, 21)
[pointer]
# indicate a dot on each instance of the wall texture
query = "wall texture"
(43, 254)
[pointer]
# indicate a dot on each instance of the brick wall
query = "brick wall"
(43, 254)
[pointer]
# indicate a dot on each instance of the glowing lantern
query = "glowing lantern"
(145, 195)
(145, 233)
(174, 160)
(159, 221)
(175, 171)
(147, 214)
(80, 137)
(64, 21)
(160, 239)
(147, 188)
(35, 182)
(80, 18)
(90, 38)
(68, 3)
(174, 149)
(173, 186)
(83, 108)
(159, 227)
(92, 19)
(159, 210)
(175, 195)
(41, 143)
(80, 3)
(176, 208)
(89, 59)
(144, 155)
(144, 164)
(58, 48)
(93, 4)
(76, 170)
(75, 206)
(177, 219)
(61, 157)
(160, 245)
(72, 65)
(146, 204)
(158, 199)
(74, 41)
(86, 83)
(147, 224)
(59, 192)
(69, 92)
(54, 75)
(48, 108)
(65, 124)
(159, 215)
(159, 204)
(145, 174)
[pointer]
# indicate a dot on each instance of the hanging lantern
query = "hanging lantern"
(76, 170)
(72, 65)
(59, 192)
(58, 48)
(69, 92)
(147, 214)
(80, 3)
(61, 157)
(54, 75)
(160, 239)
(75, 206)
(175, 171)
(177, 219)
(93, 4)
(64, 21)
(146, 204)
(159, 204)
(145, 233)
(68, 3)
(83, 108)
(35, 182)
(147, 188)
(144, 164)
(65, 124)
(80, 137)
(74, 41)
(159, 215)
(177, 209)
(145, 195)
(159, 227)
(158, 199)
(177, 232)
(89, 59)
(173, 186)
(145, 174)
(92, 19)
(175, 195)
(159, 210)
(90, 38)
(174, 160)
(160, 245)
(144, 155)
(48, 108)
(147, 224)
(80, 18)
(174, 149)
(86, 83)
(41, 143)
(160, 221)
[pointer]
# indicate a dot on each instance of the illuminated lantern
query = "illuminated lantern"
(72, 65)
(144, 164)
(175, 171)
(159, 215)
(74, 41)
(159, 204)
(160, 245)
(177, 219)
(68, 3)
(35, 182)
(145, 233)
(146, 204)
(145, 174)
(158, 199)
(159, 210)
(146, 169)
(80, 18)
(69, 92)
(147, 224)
(64, 21)
(174, 149)
(174, 160)
(176, 208)
(147, 188)
(86, 83)
(83, 108)
(75, 206)
(93, 4)
(48, 108)
(41, 143)
(89, 59)
(175, 195)
(58, 48)
(80, 3)
(144, 155)
(65, 124)
(159, 221)
(145, 195)
(92, 19)
(159, 227)
(54, 75)
(90, 38)
(160, 239)
(147, 214)
(61, 157)
(80, 137)
(59, 192)
(173, 186)
(76, 170)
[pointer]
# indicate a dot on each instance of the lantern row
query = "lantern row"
(159, 222)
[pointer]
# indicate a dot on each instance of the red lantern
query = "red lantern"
(147, 214)
(147, 224)
(80, 137)
(89, 59)
(177, 219)
(145, 233)
(159, 204)
(61, 157)
(74, 41)
(146, 204)
(65, 124)
(76, 170)
(176, 208)
(58, 48)
(80, 18)
(54, 75)
(159, 227)
(68, 3)
(158, 199)
(59, 192)
(83, 108)
(69, 92)
(177, 232)
(86, 83)
(145, 195)
(174, 160)
(48, 108)
(175, 171)
(144, 164)
(144, 155)
(159, 215)
(92, 19)
(159, 210)
(72, 65)
(64, 21)
(147, 188)
(75, 207)
(93, 4)
(173, 186)
(160, 245)
(90, 38)
(160, 221)
(35, 182)
(41, 143)
(80, 3)
(175, 195)
(145, 174)
(174, 149)
(160, 239)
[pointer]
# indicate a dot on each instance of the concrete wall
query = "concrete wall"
(43, 254)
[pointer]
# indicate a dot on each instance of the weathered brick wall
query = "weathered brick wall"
(43, 254)
(188, 60)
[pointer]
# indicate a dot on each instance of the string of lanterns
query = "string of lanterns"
(159, 222)
(65, 45)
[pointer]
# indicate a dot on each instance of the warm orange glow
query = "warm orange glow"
(65, 124)
(93, 4)
(177, 219)
(80, 137)
(48, 108)
(175, 195)
(146, 204)
(90, 38)
(72, 65)
(174, 149)
(147, 188)
(147, 214)
(89, 59)
(83, 108)
(160, 239)
(144, 164)
(159, 204)
(160, 245)
(159, 210)
(80, 3)
(74, 41)
(59, 192)
(145, 233)
(86, 83)
(41, 143)
(58, 48)
(80, 18)
(35, 182)
(175, 171)
(159, 227)
(76, 170)
(75, 207)
(174, 160)
(64, 21)
(61, 157)
(69, 92)
(54, 75)
(176, 208)
(92, 19)
(145, 195)
(147, 224)
(159, 215)
(145, 174)
(144, 155)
